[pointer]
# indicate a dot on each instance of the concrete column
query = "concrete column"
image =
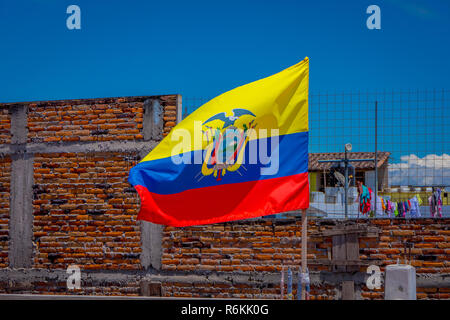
(179, 108)
(21, 199)
(153, 124)
(151, 244)
(151, 234)
(21, 211)
(19, 121)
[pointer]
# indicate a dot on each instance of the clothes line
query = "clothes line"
(386, 207)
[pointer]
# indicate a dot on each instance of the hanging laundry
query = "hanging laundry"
(389, 208)
(415, 210)
(431, 204)
(419, 199)
(439, 202)
(395, 205)
(383, 205)
(372, 198)
(405, 208)
(364, 198)
(386, 207)
(435, 202)
(401, 209)
(440, 207)
(393, 208)
(379, 207)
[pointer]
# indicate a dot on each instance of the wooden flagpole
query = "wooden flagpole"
(304, 249)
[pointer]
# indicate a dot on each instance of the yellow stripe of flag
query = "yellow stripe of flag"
(278, 102)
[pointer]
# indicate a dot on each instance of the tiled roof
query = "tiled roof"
(314, 158)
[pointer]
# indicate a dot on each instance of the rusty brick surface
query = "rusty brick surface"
(91, 120)
(268, 246)
(5, 125)
(84, 122)
(85, 211)
(5, 172)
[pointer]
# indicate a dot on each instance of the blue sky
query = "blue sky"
(204, 48)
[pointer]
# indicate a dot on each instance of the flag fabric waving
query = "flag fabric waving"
(243, 154)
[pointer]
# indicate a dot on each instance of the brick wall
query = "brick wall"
(241, 291)
(5, 172)
(101, 121)
(268, 246)
(85, 211)
(243, 259)
(56, 285)
(93, 120)
(5, 125)
(82, 211)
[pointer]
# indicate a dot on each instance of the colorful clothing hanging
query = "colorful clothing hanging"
(379, 207)
(364, 200)
(435, 202)
(405, 208)
(415, 210)
(388, 207)
(419, 199)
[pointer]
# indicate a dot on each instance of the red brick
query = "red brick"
(383, 222)
(389, 251)
(402, 232)
(424, 245)
(433, 264)
(263, 256)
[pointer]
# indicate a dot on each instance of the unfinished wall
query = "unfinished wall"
(265, 247)
(64, 195)
(244, 259)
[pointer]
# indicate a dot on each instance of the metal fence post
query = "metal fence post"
(376, 158)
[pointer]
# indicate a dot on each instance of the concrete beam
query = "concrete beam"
(81, 147)
(100, 277)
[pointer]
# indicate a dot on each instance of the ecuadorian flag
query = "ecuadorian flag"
(241, 155)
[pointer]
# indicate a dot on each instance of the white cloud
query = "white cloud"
(431, 170)
(419, 10)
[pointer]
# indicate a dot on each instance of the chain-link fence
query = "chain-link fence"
(410, 131)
